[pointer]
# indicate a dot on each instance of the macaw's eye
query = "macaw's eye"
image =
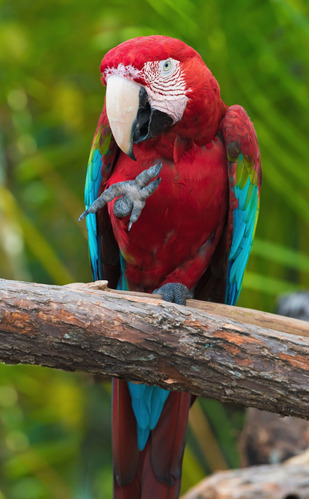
(167, 67)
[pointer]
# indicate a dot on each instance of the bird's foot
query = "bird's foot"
(133, 195)
(174, 292)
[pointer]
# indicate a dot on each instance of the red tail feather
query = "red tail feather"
(124, 442)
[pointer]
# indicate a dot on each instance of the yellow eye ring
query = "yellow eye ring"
(167, 65)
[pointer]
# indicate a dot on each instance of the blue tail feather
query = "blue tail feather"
(147, 404)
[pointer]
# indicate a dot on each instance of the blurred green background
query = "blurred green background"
(54, 426)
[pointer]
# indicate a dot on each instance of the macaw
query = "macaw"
(172, 200)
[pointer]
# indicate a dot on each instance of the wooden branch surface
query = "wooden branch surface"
(141, 338)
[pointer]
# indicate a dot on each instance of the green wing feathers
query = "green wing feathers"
(245, 176)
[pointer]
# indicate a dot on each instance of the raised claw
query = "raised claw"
(107, 195)
(144, 177)
(133, 195)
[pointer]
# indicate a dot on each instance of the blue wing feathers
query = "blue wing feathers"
(244, 219)
(92, 186)
(245, 177)
(94, 177)
(123, 283)
(93, 243)
(239, 230)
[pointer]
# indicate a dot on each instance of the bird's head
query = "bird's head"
(155, 83)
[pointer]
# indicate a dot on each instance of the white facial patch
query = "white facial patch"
(122, 70)
(166, 87)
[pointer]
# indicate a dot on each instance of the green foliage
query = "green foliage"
(55, 430)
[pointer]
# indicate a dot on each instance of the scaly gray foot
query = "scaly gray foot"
(174, 292)
(133, 195)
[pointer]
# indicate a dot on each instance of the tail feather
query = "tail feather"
(170, 436)
(154, 472)
(124, 442)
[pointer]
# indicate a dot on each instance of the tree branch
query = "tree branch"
(139, 337)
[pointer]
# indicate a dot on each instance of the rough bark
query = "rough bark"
(142, 338)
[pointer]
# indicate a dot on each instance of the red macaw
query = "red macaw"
(186, 232)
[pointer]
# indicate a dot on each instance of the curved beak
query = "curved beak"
(122, 103)
(130, 116)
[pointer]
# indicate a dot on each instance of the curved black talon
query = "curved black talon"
(133, 195)
(174, 292)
